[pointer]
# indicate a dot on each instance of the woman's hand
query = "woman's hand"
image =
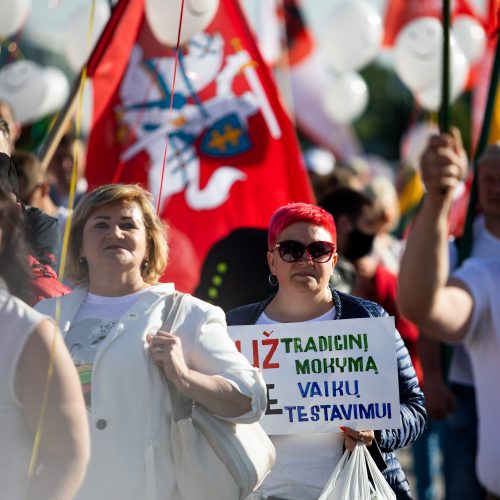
(351, 437)
(214, 393)
(166, 351)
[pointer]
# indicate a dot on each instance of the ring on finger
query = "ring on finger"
(158, 348)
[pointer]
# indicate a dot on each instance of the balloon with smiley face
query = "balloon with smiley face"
(163, 17)
(417, 53)
(430, 97)
(418, 60)
(354, 36)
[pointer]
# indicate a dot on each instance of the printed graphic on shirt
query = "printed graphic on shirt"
(83, 341)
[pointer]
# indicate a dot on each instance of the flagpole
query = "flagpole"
(48, 147)
(466, 242)
(65, 115)
(444, 111)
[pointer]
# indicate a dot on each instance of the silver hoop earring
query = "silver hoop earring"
(81, 260)
(273, 282)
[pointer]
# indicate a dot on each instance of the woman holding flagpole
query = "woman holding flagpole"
(302, 257)
(112, 325)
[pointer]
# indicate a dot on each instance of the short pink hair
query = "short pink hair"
(299, 212)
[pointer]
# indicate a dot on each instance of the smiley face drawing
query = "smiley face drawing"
(417, 52)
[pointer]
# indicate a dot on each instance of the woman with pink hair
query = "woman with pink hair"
(302, 257)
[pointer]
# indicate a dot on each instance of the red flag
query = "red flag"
(493, 17)
(398, 13)
(488, 14)
(491, 23)
(480, 94)
(232, 155)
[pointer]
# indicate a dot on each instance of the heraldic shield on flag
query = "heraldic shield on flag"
(226, 137)
(231, 153)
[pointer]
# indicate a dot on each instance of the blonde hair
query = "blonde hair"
(156, 229)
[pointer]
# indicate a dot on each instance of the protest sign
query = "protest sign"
(322, 375)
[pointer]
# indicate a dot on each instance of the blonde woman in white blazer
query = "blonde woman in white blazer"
(112, 328)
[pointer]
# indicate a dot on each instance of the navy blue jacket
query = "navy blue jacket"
(413, 414)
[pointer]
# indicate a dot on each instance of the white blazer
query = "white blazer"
(130, 418)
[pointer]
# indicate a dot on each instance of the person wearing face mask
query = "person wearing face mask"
(354, 218)
(359, 271)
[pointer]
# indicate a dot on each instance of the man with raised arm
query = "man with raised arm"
(466, 307)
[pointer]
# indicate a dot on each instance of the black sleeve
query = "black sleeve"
(43, 236)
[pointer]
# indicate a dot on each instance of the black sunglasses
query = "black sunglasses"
(292, 251)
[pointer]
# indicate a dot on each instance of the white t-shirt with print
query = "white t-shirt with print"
(304, 463)
(93, 322)
(482, 276)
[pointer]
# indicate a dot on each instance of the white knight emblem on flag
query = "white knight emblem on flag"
(220, 121)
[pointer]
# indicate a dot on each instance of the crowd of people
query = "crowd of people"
(335, 260)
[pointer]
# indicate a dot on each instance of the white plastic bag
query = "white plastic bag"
(349, 479)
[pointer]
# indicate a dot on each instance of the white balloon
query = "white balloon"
(13, 13)
(46, 24)
(470, 36)
(319, 160)
(418, 52)
(22, 85)
(346, 97)
(76, 49)
(87, 107)
(415, 140)
(418, 56)
(57, 92)
(164, 15)
(354, 35)
(430, 97)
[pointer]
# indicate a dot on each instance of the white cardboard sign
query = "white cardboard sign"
(322, 375)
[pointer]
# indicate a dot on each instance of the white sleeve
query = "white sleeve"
(473, 274)
(214, 353)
